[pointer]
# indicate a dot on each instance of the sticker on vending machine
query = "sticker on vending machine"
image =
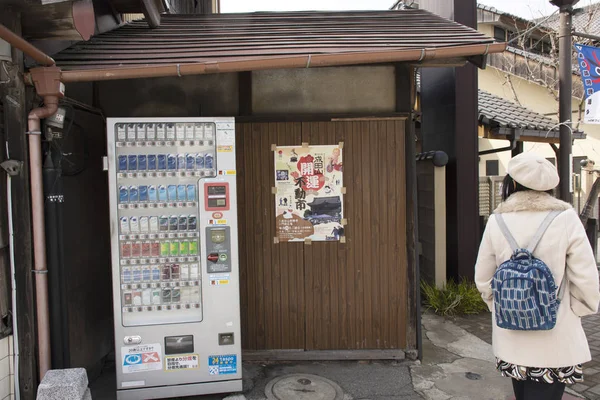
(184, 362)
(141, 358)
(222, 365)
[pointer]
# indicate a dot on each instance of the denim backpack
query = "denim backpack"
(525, 297)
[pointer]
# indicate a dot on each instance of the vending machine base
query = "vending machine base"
(166, 392)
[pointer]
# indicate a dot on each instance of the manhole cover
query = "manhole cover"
(303, 387)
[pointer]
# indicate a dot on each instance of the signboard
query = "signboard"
(588, 59)
(309, 193)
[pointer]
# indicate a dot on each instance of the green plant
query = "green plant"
(453, 299)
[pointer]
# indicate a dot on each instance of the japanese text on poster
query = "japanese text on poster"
(308, 199)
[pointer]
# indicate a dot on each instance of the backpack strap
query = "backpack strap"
(509, 237)
(541, 230)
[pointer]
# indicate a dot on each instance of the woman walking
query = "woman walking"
(537, 296)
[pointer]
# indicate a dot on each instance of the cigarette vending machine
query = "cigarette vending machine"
(174, 256)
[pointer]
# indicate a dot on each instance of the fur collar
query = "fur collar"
(531, 200)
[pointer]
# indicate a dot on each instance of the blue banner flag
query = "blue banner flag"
(588, 59)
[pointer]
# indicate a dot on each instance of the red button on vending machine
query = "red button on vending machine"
(213, 257)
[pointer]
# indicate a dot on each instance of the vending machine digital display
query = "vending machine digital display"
(174, 256)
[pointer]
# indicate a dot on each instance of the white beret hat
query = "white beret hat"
(533, 172)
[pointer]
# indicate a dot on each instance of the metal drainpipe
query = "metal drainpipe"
(39, 235)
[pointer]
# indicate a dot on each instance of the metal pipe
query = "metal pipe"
(303, 61)
(39, 234)
(565, 73)
(587, 36)
(16, 41)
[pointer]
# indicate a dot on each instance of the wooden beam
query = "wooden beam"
(245, 93)
(15, 110)
(322, 355)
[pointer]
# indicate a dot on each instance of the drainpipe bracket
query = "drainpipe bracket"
(33, 132)
(40, 271)
(12, 167)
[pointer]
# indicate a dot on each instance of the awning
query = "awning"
(200, 44)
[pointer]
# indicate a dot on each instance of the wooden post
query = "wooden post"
(15, 111)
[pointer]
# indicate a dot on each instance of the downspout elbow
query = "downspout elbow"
(33, 119)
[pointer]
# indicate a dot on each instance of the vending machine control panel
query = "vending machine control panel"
(175, 262)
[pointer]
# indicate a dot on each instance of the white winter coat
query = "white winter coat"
(564, 243)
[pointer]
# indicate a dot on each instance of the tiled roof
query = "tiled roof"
(498, 112)
(585, 19)
(242, 39)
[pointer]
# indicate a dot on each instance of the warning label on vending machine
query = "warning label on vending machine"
(141, 358)
(181, 363)
(222, 365)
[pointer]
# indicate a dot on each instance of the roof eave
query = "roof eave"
(424, 55)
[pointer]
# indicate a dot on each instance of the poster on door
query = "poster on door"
(308, 193)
